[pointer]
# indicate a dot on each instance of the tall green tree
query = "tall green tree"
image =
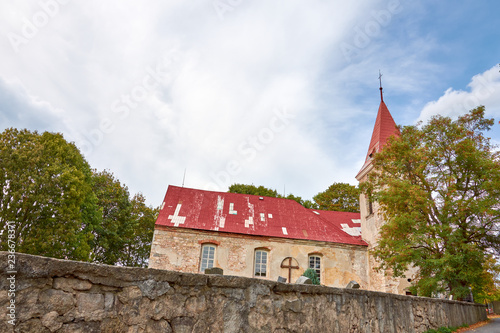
(267, 192)
(110, 235)
(253, 190)
(137, 245)
(60, 208)
(341, 197)
(438, 186)
(46, 192)
(491, 276)
(124, 236)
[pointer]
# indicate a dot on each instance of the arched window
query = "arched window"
(315, 263)
(260, 262)
(207, 259)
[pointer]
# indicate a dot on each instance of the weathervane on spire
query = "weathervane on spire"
(380, 79)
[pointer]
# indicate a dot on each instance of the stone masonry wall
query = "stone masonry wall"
(340, 263)
(54, 295)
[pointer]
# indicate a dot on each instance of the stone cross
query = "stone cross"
(289, 266)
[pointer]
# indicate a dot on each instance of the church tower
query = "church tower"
(371, 220)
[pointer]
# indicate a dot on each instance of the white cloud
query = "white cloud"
(148, 91)
(219, 89)
(484, 89)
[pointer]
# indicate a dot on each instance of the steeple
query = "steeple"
(380, 80)
(384, 128)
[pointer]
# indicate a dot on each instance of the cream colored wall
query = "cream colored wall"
(370, 227)
(179, 250)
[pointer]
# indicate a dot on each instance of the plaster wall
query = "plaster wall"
(371, 222)
(180, 250)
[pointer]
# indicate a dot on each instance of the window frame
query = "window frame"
(319, 258)
(208, 261)
(257, 266)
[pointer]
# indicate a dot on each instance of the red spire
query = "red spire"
(384, 128)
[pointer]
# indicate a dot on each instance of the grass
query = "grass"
(464, 328)
(446, 329)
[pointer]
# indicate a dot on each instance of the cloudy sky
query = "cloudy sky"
(280, 94)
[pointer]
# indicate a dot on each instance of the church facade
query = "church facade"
(269, 238)
(252, 236)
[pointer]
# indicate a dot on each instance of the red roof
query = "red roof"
(254, 215)
(384, 128)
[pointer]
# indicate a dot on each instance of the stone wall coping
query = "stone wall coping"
(34, 267)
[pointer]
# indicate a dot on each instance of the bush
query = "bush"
(311, 274)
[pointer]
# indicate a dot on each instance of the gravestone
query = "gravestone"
(281, 279)
(303, 280)
(353, 285)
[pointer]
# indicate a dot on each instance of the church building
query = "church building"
(268, 238)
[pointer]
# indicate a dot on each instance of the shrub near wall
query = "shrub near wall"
(66, 296)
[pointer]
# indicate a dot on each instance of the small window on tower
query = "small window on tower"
(370, 207)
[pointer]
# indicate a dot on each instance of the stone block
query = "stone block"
(294, 306)
(88, 303)
(227, 281)
(129, 294)
(158, 326)
(70, 284)
(196, 304)
(183, 324)
(52, 321)
(153, 289)
(56, 300)
(193, 280)
(109, 301)
(32, 325)
(214, 270)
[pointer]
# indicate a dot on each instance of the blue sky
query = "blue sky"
(235, 91)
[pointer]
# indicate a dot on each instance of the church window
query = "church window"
(260, 263)
(369, 203)
(207, 256)
(315, 263)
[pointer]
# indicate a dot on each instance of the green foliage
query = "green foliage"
(266, 192)
(137, 246)
(340, 197)
(491, 276)
(125, 234)
(445, 329)
(253, 190)
(46, 190)
(311, 274)
(116, 226)
(62, 209)
(438, 187)
(306, 203)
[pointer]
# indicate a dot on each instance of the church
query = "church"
(268, 238)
